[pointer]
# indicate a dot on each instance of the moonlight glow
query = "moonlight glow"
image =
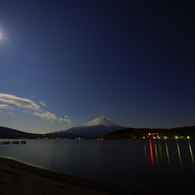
(1, 35)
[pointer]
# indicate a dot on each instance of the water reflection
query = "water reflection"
(145, 152)
(170, 154)
(167, 153)
(156, 152)
(160, 151)
(131, 163)
(179, 155)
(191, 153)
(151, 152)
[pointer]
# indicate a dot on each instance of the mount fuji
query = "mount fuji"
(96, 128)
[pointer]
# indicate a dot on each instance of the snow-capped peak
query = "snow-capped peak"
(103, 121)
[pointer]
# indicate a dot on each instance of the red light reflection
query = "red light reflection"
(151, 152)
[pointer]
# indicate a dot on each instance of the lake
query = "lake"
(166, 166)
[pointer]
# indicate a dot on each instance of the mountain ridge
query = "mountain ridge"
(95, 128)
(105, 128)
(100, 121)
(6, 132)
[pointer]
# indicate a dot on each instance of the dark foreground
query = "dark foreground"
(18, 178)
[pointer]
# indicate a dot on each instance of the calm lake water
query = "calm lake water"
(166, 166)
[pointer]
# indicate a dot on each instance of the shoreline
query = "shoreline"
(19, 178)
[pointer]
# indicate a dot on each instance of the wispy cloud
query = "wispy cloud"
(26, 112)
(42, 103)
(64, 120)
(52, 117)
(20, 102)
(47, 116)
(6, 107)
(29, 104)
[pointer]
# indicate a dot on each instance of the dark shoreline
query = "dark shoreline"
(19, 178)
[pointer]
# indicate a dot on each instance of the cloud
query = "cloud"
(6, 107)
(26, 112)
(52, 117)
(47, 116)
(42, 103)
(27, 103)
(64, 120)
(20, 102)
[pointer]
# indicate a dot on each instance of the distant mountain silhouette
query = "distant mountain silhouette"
(96, 128)
(10, 133)
(103, 127)
(139, 133)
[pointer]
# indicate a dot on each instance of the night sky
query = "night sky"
(66, 62)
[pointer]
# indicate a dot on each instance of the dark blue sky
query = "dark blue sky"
(131, 61)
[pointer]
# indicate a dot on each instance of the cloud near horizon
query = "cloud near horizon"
(64, 120)
(51, 117)
(47, 115)
(29, 104)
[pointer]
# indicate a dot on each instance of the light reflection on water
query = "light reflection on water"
(157, 165)
(191, 153)
(151, 152)
(167, 153)
(181, 152)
